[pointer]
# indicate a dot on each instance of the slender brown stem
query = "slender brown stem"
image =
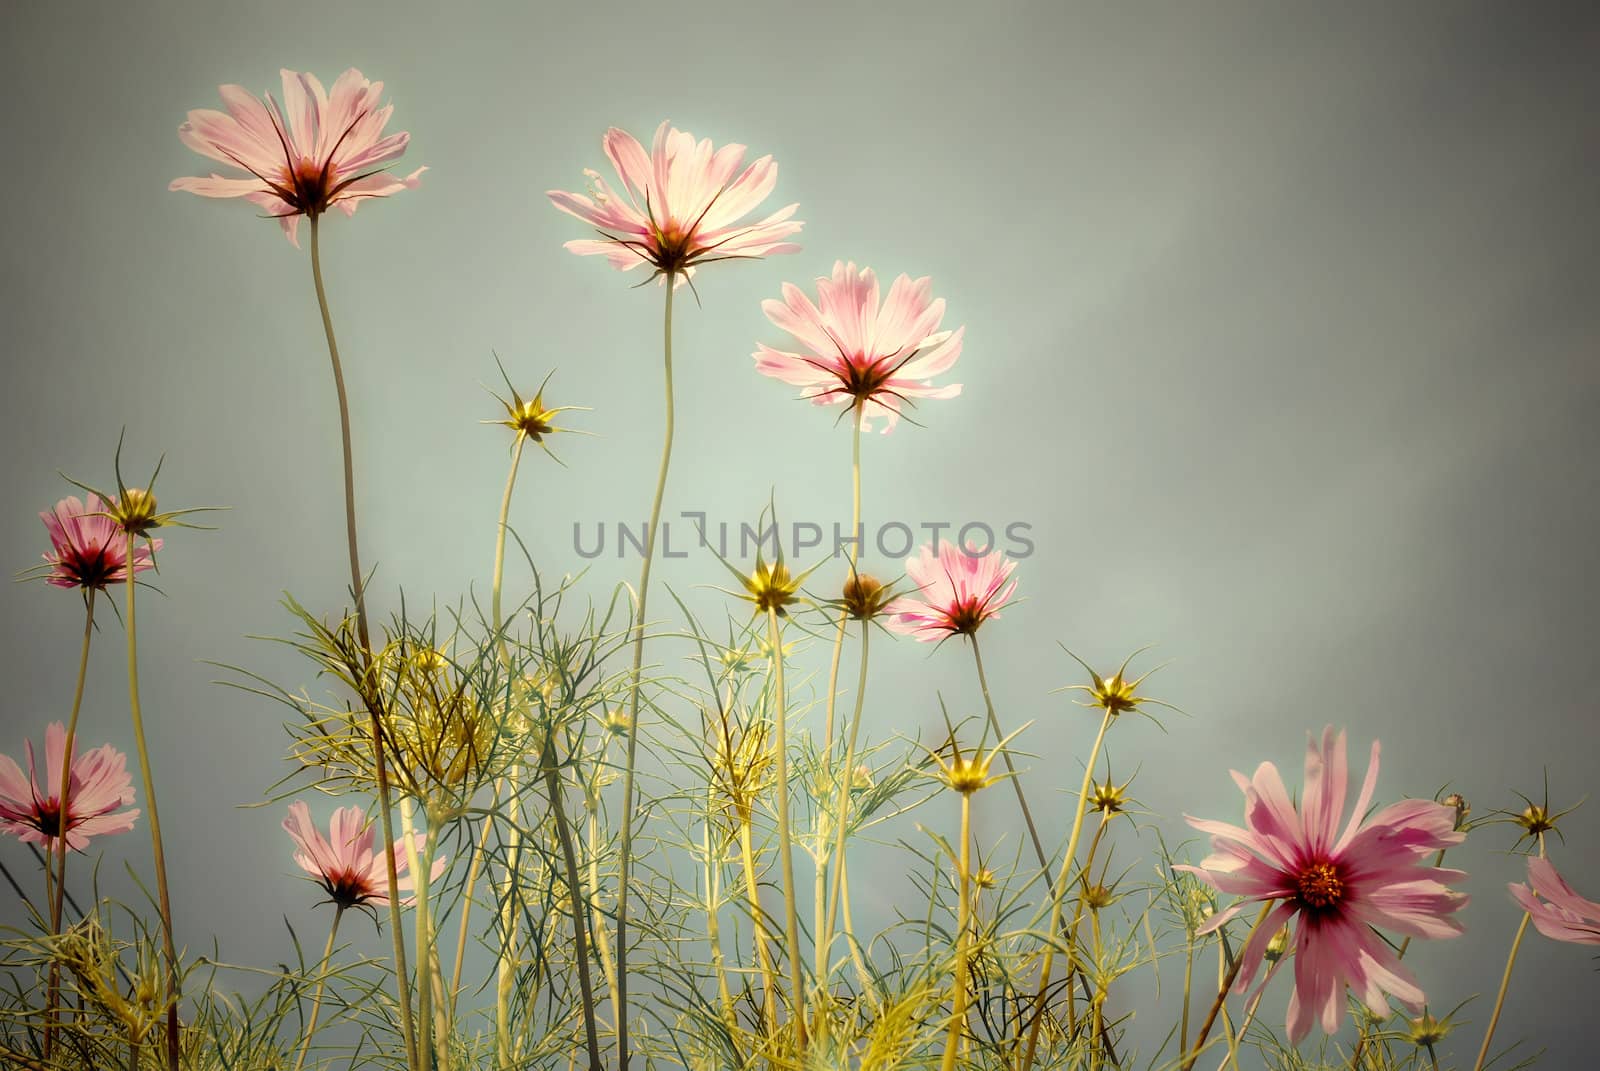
(626, 861)
(357, 590)
(163, 897)
(580, 944)
(1222, 992)
(58, 893)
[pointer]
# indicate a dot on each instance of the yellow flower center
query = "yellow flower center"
(1320, 887)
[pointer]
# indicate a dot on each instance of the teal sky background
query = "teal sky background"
(1281, 333)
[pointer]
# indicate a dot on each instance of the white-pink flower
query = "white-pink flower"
(682, 204)
(318, 151)
(957, 591)
(344, 863)
(852, 351)
(99, 786)
(1558, 912)
(1336, 886)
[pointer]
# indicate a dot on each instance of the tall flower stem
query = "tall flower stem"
(626, 860)
(322, 980)
(824, 916)
(822, 905)
(1500, 998)
(769, 976)
(1059, 891)
(841, 817)
(163, 898)
(466, 902)
(418, 862)
(506, 960)
(357, 590)
(580, 911)
(58, 893)
(785, 840)
(1222, 993)
(1016, 782)
(958, 987)
(713, 875)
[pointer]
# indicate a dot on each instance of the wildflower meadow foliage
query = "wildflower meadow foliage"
(580, 855)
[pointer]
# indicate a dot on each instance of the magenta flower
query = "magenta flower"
(681, 205)
(957, 590)
(1558, 912)
(330, 150)
(87, 548)
(343, 862)
(1339, 885)
(99, 785)
(854, 352)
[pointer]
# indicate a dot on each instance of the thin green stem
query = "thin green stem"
(824, 906)
(958, 987)
(418, 862)
(842, 814)
(626, 860)
(580, 913)
(58, 893)
(1500, 998)
(506, 958)
(1222, 993)
(1058, 894)
(785, 841)
(357, 590)
(163, 898)
(1016, 782)
(316, 998)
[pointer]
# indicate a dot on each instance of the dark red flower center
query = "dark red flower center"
(1319, 887)
(87, 568)
(862, 378)
(965, 616)
(47, 817)
(347, 888)
(311, 185)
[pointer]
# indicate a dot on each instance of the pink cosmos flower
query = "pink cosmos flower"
(1558, 912)
(99, 785)
(681, 205)
(958, 590)
(1338, 885)
(854, 352)
(343, 862)
(330, 150)
(87, 548)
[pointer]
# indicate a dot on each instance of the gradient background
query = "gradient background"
(1282, 332)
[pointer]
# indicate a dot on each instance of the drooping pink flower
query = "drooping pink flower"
(343, 862)
(1336, 886)
(853, 352)
(1558, 912)
(317, 151)
(99, 784)
(958, 590)
(87, 548)
(681, 205)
